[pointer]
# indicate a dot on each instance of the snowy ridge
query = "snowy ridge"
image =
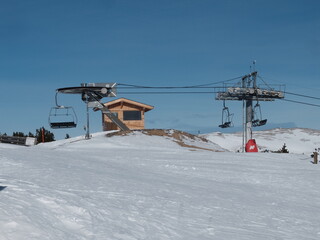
(146, 139)
(139, 186)
(297, 140)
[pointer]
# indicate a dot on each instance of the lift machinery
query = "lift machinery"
(91, 94)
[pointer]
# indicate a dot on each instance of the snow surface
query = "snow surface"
(148, 187)
(297, 140)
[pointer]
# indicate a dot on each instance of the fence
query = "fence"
(26, 141)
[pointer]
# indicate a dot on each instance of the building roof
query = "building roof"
(125, 100)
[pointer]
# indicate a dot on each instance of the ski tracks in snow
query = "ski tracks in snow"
(85, 191)
(35, 207)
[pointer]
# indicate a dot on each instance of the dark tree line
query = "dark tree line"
(42, 135)
(21, 134)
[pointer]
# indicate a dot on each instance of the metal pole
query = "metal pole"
(243, 126)
(248, 120)
(88, 130)
(244, 130)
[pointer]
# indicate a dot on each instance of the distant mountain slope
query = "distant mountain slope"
(297, 140)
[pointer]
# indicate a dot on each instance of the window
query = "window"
(131, 115)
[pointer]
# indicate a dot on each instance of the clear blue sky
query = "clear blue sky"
(46, 45)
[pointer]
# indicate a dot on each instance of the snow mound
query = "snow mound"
(151, 139)
(297, 140)
(183, 139)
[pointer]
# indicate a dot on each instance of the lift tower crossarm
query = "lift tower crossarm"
(249, 91)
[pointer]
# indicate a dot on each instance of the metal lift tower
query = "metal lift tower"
(249, 92)
(91, 94)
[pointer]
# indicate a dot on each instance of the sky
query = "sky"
(45, 45)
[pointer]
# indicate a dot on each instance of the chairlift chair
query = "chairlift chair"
(226, 117)
(62, 117)
(257, 120)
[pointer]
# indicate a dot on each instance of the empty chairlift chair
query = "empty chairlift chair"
(257, 120)
(62, 117)
(226, 117)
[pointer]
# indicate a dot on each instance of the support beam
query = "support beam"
(248, 127)
(99, 105)
(114, 119)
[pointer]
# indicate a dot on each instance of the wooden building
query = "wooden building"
(131, 113)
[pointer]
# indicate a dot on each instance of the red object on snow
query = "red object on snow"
(251, 146)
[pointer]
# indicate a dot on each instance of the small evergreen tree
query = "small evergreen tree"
(48, 136)
(30, 134)
(284, 149)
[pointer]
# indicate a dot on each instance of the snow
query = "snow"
(297, 140)
(149, 187)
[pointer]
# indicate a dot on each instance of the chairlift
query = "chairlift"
(62, 117)
(257, 120)
(226, 117)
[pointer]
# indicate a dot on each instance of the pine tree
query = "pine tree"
(284, 149)
(18, 134)
(30, 134)
(48, 136)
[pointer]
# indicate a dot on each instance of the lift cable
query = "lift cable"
(213, 92)
(302, 95)
(207, 92)
(214, 83)
(166, 87)
(291, 84)
(166, 92)
(203, 86)
(203, 92)
(200, 92)
(264, 82)
(176, 87)
(293, 101)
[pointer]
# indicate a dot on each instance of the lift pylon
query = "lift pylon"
(248, 92)
(91, 94)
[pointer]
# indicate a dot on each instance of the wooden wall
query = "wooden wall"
(119, 108)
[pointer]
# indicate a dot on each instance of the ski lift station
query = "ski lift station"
(131, 113)
(121, 114)
(124, 114)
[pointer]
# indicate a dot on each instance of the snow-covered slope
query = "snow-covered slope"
(297, 140)
(149, 187)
